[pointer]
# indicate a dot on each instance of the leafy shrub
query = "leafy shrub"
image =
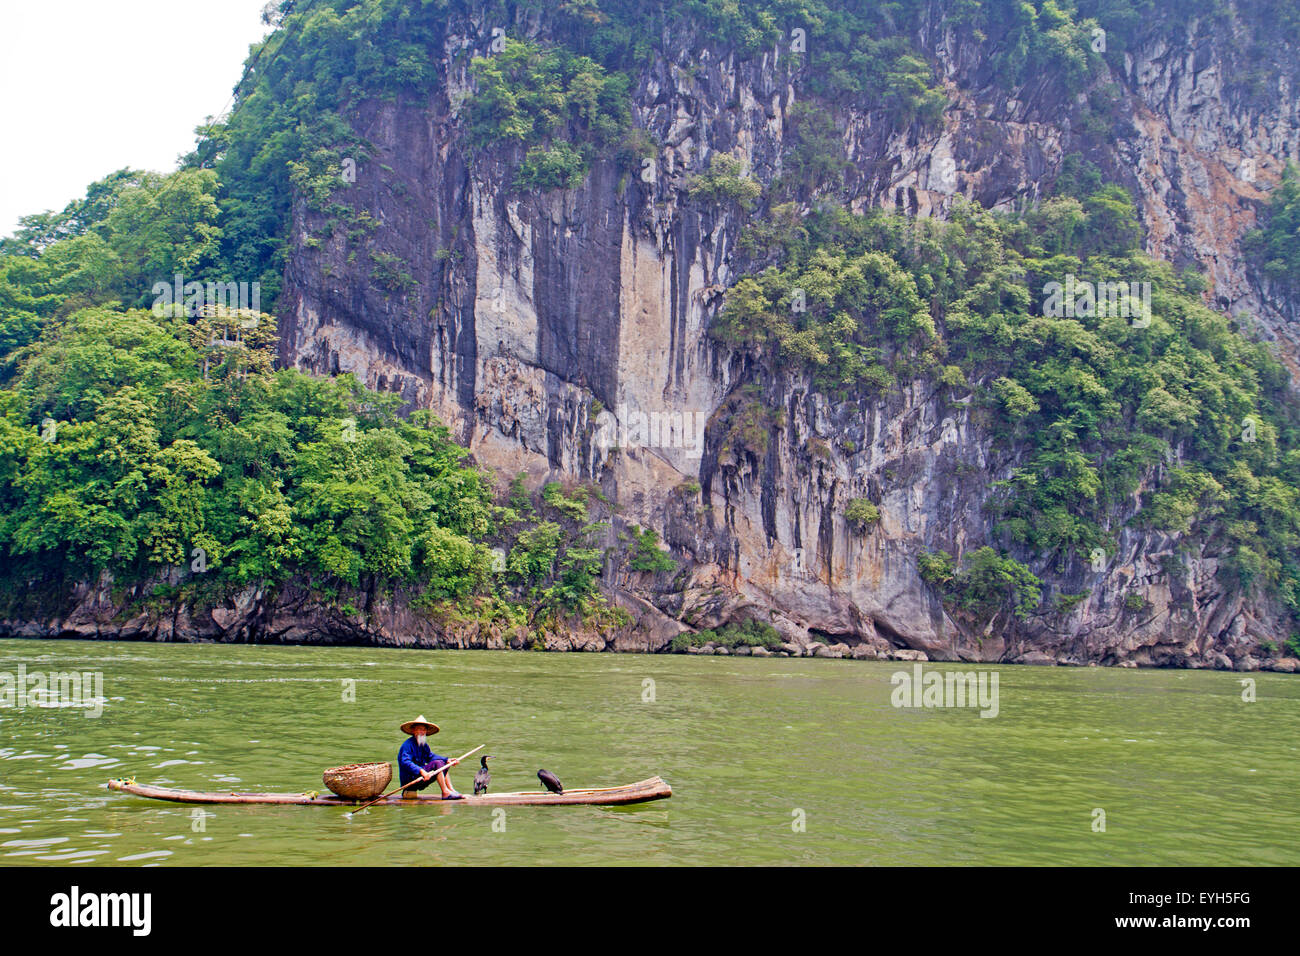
(1275, 246)
(519, 499)
(986, 583)
(750, 633)
(559, 166)
(936, 568)
(557, 105)
(1065, 603)
(726, 181)
(749, 425)
(861, 514)
(646, 553)
(389, 273)
(533, 556)
(572, 505)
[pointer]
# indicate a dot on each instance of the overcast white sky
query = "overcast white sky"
(90, 86)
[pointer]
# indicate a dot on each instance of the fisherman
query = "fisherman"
(416, 762)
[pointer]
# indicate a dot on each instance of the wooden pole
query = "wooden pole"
(440, 770)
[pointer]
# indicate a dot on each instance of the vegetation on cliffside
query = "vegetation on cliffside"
(133, 440)
(1275, 246)
(567, 100)
(1170, 408)
(163, 443)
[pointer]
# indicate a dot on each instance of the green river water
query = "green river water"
(1185, 770)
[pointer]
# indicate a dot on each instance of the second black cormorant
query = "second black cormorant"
(550, 781)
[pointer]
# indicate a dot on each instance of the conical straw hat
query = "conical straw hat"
(407, 727)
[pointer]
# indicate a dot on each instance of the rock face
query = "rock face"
(533, 313)
(534, 317)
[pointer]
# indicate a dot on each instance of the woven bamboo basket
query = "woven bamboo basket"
(359, 781)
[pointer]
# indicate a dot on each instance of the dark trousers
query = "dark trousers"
(431, 766)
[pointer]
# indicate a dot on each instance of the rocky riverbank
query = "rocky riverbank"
(294, 613)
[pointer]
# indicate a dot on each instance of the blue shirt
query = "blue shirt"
(413, 758)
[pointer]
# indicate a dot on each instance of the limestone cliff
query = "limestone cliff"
(532, 313)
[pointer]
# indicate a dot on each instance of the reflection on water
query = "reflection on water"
(1185, 771)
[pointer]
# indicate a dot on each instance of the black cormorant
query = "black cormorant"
(482, 778)
(550, 781)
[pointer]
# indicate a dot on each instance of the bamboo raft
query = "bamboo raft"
(652, 789)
